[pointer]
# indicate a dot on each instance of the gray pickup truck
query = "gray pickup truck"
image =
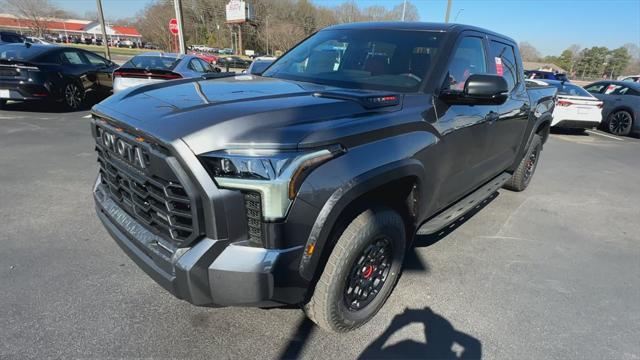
(306, 185)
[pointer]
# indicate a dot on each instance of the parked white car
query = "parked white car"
(631, 78)
(575, 107)
(38, 40)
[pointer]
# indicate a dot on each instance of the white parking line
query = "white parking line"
(87, 116)
(605, 135)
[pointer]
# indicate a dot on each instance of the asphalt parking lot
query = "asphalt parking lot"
(553, 272)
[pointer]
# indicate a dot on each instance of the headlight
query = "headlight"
(276, 175)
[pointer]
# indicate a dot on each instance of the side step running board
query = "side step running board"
(467, 203)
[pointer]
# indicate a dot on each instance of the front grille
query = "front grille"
(253, 210)
(155, 196)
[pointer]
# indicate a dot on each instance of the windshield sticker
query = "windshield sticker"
(499, 68)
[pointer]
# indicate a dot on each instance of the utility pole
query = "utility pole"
(446, 17)
(103, 28)
(267, 31)
(404, 8)
(178, 7)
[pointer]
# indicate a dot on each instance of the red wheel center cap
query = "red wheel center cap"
(367, 271)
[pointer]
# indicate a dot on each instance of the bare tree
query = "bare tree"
(284, 36)
(36, 12)
(529, 52)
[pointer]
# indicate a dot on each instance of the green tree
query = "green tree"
(592, 61)
(617, 62)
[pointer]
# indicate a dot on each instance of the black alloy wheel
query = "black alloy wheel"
(73, 96)
(368, 274)
(530, 165)
(620, 123)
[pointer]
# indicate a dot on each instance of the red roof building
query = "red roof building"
(69, 27)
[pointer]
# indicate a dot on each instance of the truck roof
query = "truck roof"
(415, 26)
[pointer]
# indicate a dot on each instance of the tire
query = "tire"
(2, 103)
(336, 305)
(619, 123)
(527, 167)
(73, 96)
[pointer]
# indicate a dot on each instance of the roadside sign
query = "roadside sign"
(173, 26)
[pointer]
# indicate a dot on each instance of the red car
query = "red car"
(206, 57)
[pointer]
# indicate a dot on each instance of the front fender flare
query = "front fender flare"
(345, 195)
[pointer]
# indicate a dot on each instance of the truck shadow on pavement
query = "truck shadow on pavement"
(443, 341)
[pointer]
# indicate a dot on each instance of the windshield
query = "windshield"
(152, 62)
(363, 59)
(569, 89)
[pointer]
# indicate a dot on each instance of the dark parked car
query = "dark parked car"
(48, 72)
(621, 112)
(8, 37)
(305, 186)
(156, 66)
(233, 62)
(545, 75)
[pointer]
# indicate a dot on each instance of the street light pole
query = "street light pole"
(446, 17)
(404, 8)
(178, 7)
(103, 28)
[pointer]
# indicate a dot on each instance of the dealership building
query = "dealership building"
(70, 28)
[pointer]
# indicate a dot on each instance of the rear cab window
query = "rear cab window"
(504, 58)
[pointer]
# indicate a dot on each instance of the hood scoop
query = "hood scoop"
(368, 100)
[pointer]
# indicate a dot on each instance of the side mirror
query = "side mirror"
(479, 89)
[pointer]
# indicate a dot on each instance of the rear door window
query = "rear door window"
(468, 59)
(620, 90)
(505, 63)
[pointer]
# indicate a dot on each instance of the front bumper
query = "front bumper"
(211, 272)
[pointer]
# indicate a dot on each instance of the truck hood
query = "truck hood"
(212, 114)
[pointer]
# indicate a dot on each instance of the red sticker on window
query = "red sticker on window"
(499, 68)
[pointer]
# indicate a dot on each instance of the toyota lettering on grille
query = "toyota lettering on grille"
(128, 152)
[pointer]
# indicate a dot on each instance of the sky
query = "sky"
(549, 25)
